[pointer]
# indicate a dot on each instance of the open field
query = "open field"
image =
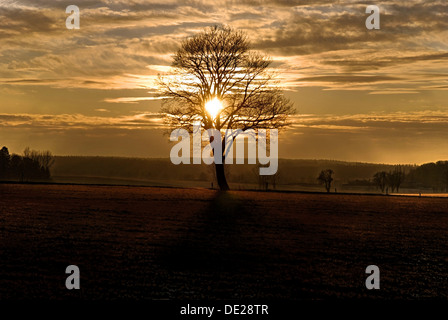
(166, 243)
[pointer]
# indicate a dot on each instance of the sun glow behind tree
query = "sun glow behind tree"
(213, 107)
(221, 83)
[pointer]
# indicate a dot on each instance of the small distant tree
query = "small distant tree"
(395, 178)
(264, 182)
(46, 160)
(380, 180)
(325, 178)
(27, 152)
(275, 179)
(399, 175)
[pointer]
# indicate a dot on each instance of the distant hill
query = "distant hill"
(118, 170)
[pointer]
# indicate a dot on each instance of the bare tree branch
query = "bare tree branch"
(218, 63)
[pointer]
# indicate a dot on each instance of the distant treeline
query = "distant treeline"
(291, 172)
(429, 175)
(36, 165)
(31, 166)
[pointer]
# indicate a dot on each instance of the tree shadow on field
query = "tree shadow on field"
(216, 239)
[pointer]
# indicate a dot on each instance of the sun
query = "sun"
(213, 107)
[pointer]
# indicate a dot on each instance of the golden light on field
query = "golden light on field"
(213, 107)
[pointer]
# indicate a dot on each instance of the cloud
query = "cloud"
(394, 91)
(400, 137)
(408, 122)
(348, 79)
(312, 39)
(132, 99)
(19, 20)
(64, 122)
(386, 60)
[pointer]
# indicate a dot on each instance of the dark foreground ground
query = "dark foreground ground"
(155, 243)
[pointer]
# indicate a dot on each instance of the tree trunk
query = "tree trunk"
(221, 177)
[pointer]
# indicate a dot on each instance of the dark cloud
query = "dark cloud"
(69, 121)
(411, 122)
(277, 3)
(384, 61)
(31, 81)
(56, 4)
(93, 82)
(11, 117)
(348, 79)
(25, 21)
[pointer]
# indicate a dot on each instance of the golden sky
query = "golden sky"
(361, 95)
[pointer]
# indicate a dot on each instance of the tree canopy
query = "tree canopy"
(218, 63)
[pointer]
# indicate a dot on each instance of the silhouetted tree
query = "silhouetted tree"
(218, 63)
(4, 163)
(46, 161)
(33, 165)
(380, 179)
(27, 152)
(445, 175)
(442, 171)
(395, 178)
(275, 179)
(325, 178)
(265, 181)
(17, 172)
(31, 170)
(400, 175)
